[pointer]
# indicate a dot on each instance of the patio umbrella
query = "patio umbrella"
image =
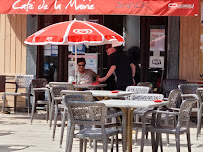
(73, 33)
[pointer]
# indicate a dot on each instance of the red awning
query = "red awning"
(102, 7)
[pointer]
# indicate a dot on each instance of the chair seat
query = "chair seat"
(15, 94)
(42, 101)
(141, 110)
(95, 133)
(165, 129)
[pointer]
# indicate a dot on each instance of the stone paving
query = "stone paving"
(17, 134)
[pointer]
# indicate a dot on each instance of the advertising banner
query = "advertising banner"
(102, 7)
(157, 45)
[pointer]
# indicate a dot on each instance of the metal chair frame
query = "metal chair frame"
(21, 81)
(38, 86)
(88, 113)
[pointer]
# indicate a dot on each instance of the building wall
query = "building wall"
(189, 60)
(12, 50)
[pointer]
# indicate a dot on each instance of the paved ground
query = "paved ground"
(16, 134)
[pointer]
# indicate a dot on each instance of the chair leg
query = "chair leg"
(143, 134)
(177, 136)
(15, 100)
(28, 103)
(161, 144)
(188, 141)
(90, 143)
(69, 139)
(199, 117)
(105, 145)
(55, 120)
(167, 135)
(153, 143)
(112, 141)
(47, 114)
(136, 130)
(95, 145)
(68, 134)
(124, 133)
(3, 105)
(85, 145)
(51, 113)
(117, 148)
(33, 111)
(81, 144)
(62, 127)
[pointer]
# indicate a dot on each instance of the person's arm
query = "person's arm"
(133, 69)
(110, 72)
(97, 79)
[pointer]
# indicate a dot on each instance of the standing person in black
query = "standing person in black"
(123, 68)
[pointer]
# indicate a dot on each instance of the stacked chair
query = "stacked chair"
(55, 90)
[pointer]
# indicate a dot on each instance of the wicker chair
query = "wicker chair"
(38, 87)
(137, 90)
(146, 84)
(140, 111)
(21, 81)
(88, 97)
(188, 88)
(174, 98)
(190, 91)
(87, 113)
(56, 103)
(200, 95)
(181, 127)
(56, 98)
(171, 84)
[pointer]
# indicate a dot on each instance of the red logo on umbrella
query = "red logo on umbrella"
(82, 31)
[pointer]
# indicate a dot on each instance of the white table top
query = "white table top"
(89, 86)
(110, 94)
(132, 103)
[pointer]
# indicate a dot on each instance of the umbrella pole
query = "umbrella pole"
(76, 63)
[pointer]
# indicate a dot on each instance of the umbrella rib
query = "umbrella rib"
(67, 31)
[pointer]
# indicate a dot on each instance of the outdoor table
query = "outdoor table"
(128, 106)
(89, 86)
(105, 94)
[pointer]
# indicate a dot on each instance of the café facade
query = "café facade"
(168, 35)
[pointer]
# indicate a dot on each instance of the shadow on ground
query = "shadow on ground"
(10, 148)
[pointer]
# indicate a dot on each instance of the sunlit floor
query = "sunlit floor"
(17, 134)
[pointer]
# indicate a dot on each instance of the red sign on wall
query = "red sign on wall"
(105, 7)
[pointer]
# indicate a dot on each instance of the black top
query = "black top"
(123, 70)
